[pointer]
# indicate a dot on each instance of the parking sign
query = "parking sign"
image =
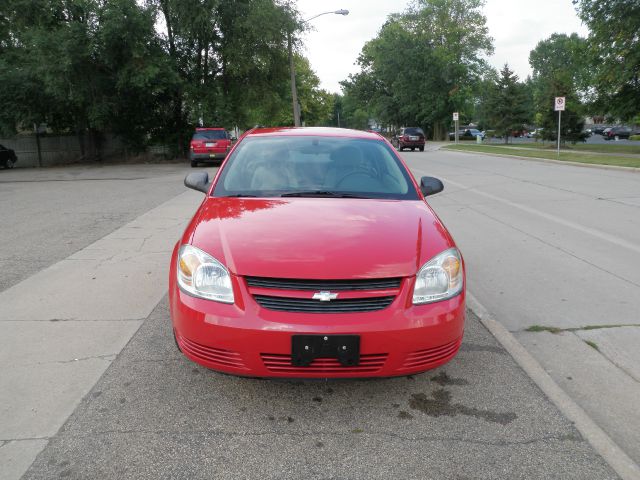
(559, 104)
(455, 116)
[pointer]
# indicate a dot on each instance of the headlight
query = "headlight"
(440, 278)
(203, 276)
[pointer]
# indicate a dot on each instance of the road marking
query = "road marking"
(567, 223)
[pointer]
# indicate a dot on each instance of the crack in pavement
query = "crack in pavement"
(606, 357)
(109, 357)
(307, 434)
(25, 439)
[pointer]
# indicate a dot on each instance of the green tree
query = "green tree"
(83, 66)
(424, 64)
(508, 104)
(614, 27)
(561, 69)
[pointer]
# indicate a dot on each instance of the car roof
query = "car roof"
(312, 132)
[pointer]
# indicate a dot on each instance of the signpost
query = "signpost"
(456, 117)
(559, 107)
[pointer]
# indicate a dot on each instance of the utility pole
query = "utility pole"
(294, 90)
(292, 67)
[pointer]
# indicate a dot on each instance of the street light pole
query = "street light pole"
(292, 68)
(294, 91)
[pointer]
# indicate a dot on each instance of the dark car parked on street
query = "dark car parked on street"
(617, 133)
(7, 157)
(409, 137)
(466, 134)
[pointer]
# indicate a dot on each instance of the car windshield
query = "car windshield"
(413, 131)
(210, 135)
(314, 167)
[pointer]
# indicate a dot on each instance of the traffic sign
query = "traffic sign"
(456, 117)
(559, 104)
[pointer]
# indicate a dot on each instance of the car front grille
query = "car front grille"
(345, 296)
(351, 305)
(316, 285)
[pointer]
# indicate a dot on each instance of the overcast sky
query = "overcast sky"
(515, 25)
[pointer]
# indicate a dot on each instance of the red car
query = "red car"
(209, 145)
(314, 254)
(410, 137)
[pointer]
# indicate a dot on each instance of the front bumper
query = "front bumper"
(247, 339)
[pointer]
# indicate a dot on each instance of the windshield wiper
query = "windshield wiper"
(321, 193)
(239, 195)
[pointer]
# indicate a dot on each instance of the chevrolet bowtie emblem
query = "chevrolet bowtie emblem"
(325, 296)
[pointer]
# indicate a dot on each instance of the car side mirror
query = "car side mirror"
(430, 186)
(198, 181)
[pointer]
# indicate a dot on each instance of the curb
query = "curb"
(547, 160)
(617, 459)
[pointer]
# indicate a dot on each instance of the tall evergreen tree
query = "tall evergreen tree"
(508, 104)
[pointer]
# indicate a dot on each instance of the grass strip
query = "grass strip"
(593, 345)
(543, 328)
(580, 147)
(575, 157)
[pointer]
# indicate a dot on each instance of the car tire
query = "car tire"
(194, 164)
(413, 149)
(422, 149)
(9, 163)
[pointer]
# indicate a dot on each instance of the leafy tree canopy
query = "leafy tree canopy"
(424, 64)
(614, 27)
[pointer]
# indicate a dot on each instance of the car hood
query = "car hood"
(318, 238)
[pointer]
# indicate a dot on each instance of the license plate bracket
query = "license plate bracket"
(306, 348)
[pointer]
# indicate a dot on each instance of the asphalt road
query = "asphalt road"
(155, 414)
(555, 246)
(52, 213)
(121, 402)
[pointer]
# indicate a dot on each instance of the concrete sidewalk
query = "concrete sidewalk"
(61, 328)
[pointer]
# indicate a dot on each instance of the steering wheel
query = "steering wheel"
(357, 172)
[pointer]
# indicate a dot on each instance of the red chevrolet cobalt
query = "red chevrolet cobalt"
(314, 254)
